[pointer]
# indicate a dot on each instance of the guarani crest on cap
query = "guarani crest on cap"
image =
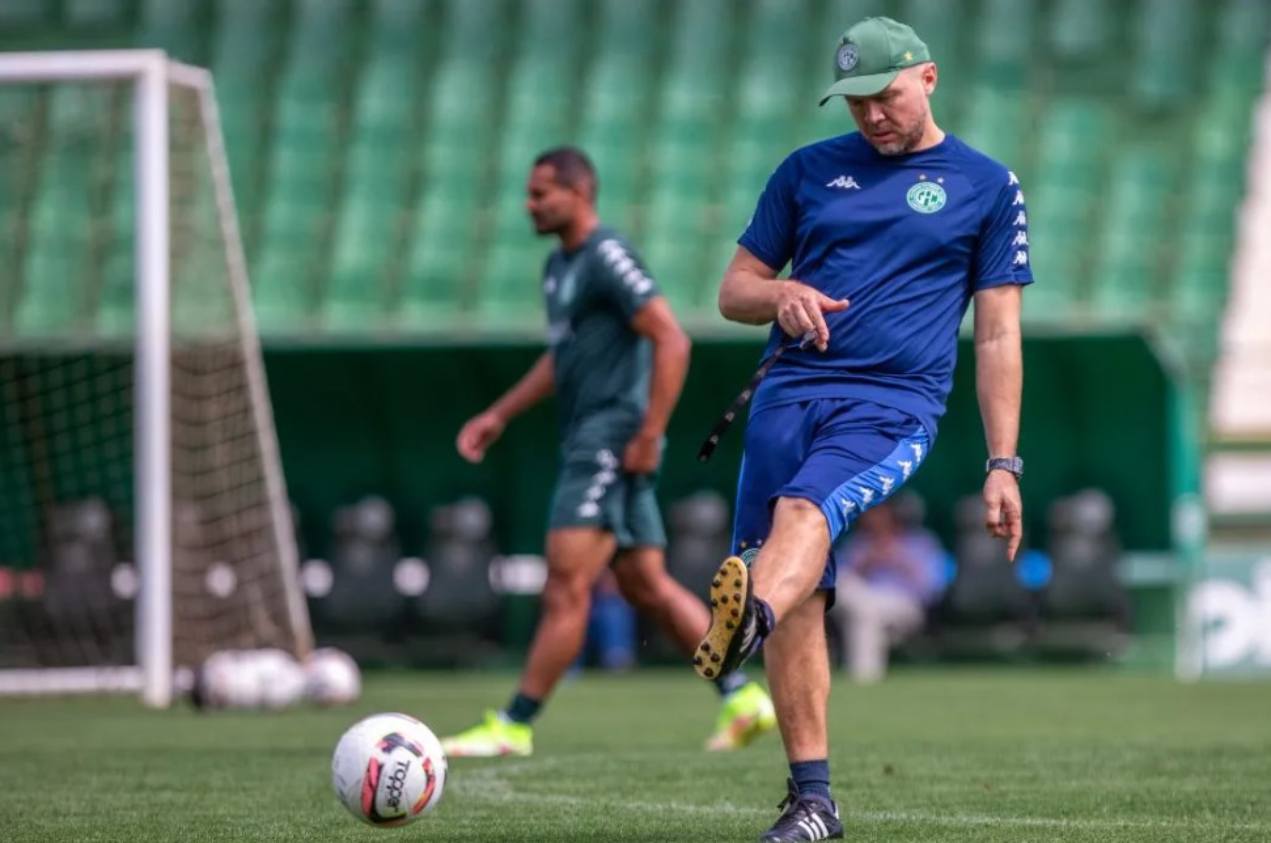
(926, 197)
(847, 57)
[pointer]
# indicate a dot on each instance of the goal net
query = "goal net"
(143, 516)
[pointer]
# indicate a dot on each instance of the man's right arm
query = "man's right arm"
(535, 385)
(751, 294)
(482, 430)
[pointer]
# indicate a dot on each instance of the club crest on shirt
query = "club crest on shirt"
(926, 197)
(566, 288)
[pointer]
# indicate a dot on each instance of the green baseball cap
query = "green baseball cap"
(870, 56)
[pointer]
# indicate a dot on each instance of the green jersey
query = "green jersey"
(601, 366)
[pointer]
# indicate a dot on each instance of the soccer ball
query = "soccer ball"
(331, 677)
(248, 679)
(388, 770)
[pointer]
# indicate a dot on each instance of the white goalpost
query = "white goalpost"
(144, 519)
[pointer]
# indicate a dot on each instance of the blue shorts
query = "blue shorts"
(844, 456)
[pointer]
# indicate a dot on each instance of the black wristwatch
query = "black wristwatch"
(1015, 465)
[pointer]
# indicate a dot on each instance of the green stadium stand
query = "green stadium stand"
(761, 134)
(22, 14)
(1165, 67)
(1080, 29)
(18, 109)
(541, 98)
(996, 122)
(175, 26)
(379, 148)
(684, 154)
(58, 269)
(1061, 202)
(115, 314)
(617, 102)
(95, 13)
(942, 26)
(378, 166)
(1128, 265)
(1005, 44)
(463, 96)
(303, 188)
(1242, 33)
(244, 60)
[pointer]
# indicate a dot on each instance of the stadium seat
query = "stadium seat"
(676, 247)
(116, 304)
(439, 267)
(20, 14)
(461, 96)
(1165, 66)
(1079, 29)
(685, 164)
(246, 51)
(17, 154)
(1062, 201)
(396, 25)
(363, 249)
(289, 271)
(94, 13)
(1244, 29)
(761, 135)
(61, 222)
(1005, 46)
(995, 122)
(378, 167)
(941, 25)
(616, 96)
(541, 92)
(174, 26)
(1128, 265)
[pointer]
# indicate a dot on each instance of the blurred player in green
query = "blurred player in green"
(616, 364)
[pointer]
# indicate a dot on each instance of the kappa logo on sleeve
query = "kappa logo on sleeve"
(625, 267)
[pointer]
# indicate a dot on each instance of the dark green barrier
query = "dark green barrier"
(1097, 411)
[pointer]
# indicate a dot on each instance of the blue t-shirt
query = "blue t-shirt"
(907, 239)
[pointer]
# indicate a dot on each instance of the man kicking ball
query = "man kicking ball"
(890, 231)
(616, 364)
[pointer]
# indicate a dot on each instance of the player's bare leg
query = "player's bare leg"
(798, 668)
(781, 610)
(575, 557)
(791, 561)
(651, 591)
(747, 603)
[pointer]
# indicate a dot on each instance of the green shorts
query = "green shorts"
(592, 490)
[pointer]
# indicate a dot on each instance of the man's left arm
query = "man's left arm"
(670, 366)
(999, 381)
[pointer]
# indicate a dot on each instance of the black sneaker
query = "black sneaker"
(804, 818)
(734, 633)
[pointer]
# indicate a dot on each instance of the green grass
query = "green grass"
(928, 755)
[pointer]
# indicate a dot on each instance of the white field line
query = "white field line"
(490, 784)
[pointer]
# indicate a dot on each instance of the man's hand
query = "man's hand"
(1003, 511)
(801, 310)
(479, 433)
(642, 454)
